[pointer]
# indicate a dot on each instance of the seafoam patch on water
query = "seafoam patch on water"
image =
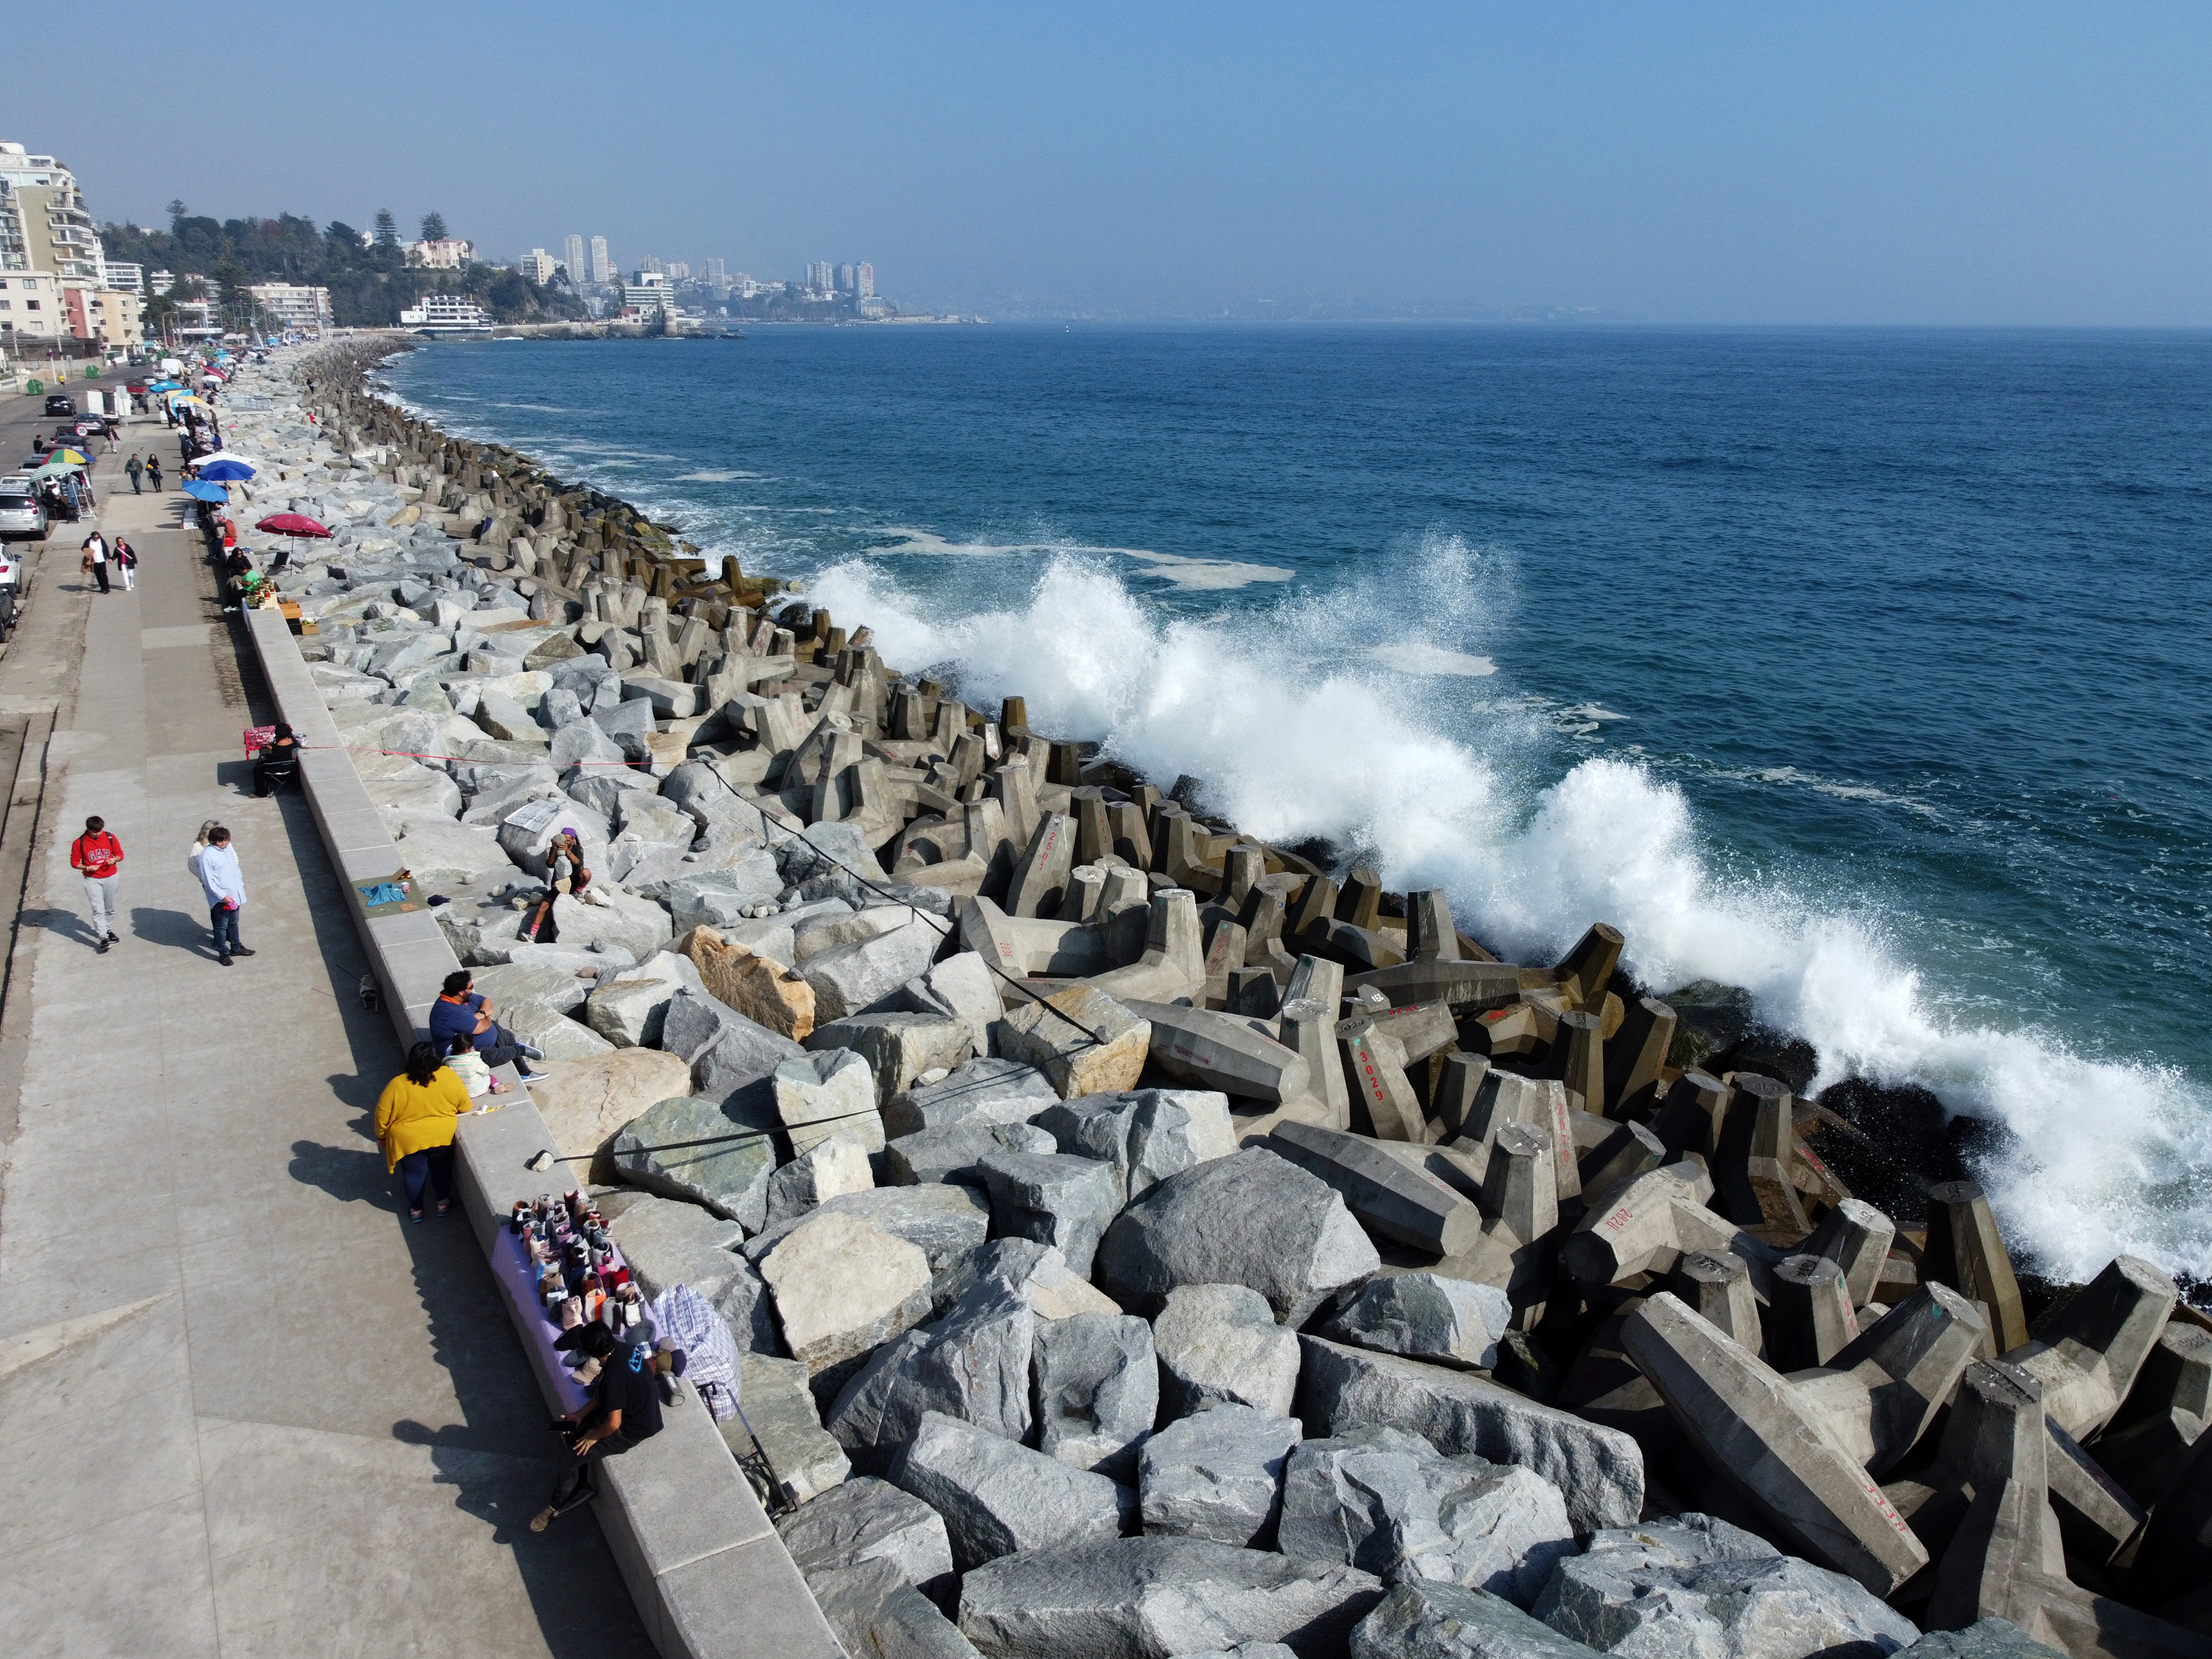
(1416, 657)
(1206, 575)
(714, 475)
(2107, 1148)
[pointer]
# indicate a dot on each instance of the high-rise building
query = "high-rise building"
(603, 268)
(718, 274)
(820, 277)
(846, 278)
(864, 281)
(575, 261)
(538, 266)
(651, 263)
(679, 271)
(43, 223)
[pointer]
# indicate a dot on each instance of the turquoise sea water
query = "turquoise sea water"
(1868, 671)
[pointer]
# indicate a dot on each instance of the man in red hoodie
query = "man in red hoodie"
(98, 857)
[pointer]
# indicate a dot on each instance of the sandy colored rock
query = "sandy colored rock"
(585, 1102)
(842, 1287)
(757, 987)
(1057, 1036)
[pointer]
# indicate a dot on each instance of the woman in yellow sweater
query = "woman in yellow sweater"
(415, 1126)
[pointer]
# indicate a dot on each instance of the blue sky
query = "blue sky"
(1719, 163)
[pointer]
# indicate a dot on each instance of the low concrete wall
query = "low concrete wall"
(710, 1578)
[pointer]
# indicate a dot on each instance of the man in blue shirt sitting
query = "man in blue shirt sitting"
(462, 1010)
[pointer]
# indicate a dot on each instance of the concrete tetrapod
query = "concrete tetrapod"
(1746, 1421)
(1174, 960)
(1856, 1237)
(1390, 1199)
(2087, 1359)
(1965, 1252)
(1210, 1050)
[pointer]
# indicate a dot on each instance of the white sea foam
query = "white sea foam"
(1415, 657)
(1292, 739)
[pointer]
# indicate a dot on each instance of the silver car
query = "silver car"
(22, 515)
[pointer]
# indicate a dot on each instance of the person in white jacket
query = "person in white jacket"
(224, 884)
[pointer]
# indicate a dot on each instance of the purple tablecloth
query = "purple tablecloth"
(511, 1262)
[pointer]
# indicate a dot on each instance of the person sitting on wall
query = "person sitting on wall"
(461, 1010)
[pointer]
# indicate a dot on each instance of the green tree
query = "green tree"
(177, 211)
(387, 228)
(434, 226)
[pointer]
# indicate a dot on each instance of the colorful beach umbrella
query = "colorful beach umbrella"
(292, 524)
(70, 457)
(206, 492)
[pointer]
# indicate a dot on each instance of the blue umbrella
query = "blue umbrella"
(164, 386)
(226, 470)
(207, 492)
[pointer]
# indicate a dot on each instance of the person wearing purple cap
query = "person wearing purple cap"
(565, 872)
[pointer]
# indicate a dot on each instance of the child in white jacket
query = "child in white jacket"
(466, 1063)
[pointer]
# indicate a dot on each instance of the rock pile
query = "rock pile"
(1187, 1248)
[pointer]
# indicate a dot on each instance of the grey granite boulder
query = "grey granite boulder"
(1425, 1620)
(1446, 1322)
(832, 1093)
(780, 1417)
(1383, 1500)
(963, 986)
(874, 1610)
(1252, 1220)
(897, 1047)
(829, 1168)
(1096, 1385)
(1599, 1471)
(725, 1050)
(1697, 1592)
(658, 1150)
(870, 1519)
(1157, 1598)
(854, 978)
(669, 1242)
(842, 1287)
(972, 1365)
(717, 898)
(630, 1009)
(1986, 1638)
(957, 1152)
(1147, 1135)
(1216, 1475)
(1040, 1273)
(1220, 1345)
(998, 1498)
(1053, 1199)
(947, 1219)
(981, 1090)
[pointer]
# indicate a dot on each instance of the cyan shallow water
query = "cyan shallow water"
(1868, 670)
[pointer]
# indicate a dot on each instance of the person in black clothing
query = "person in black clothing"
(278, 759)
(624, 1409)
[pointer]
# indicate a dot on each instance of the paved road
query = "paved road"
(251, 1409)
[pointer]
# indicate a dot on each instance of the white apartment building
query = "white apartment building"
(449, 254)
(538, 266)
(648, 291)
(575, 261)
(30, 307)
(603, 266)
(288, 305)
(123, 275)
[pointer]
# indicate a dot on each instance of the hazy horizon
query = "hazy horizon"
(1728, 164)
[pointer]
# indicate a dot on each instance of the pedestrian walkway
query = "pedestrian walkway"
(252, 1409)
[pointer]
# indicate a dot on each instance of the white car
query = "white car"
(22, 515)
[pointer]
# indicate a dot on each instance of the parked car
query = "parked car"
(22, 515)
(59, 404)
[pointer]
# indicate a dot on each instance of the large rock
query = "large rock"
(779, 1406)
(1039, 1272)
(587, 1103)
(1252, 1220)
(1216, 1475)
(1097, 1389)
(842, 1287)
(716, 898)
(1053, 1199)
(658, 1150)
(560, 989)
(964, 986)
(618, 921)
(1147, 1135)
(758, 986)
(870, 1519)
(1218, 1345)
(1425, 1620)
(982, 1091)
(1699, 1586)
(436, 850)
(945, 1218)
(998, 1498)
(1383, 1500)
(667, 1242)
(829, 1095)
(726, 1051)
(1157, 1598)
(829, 1169)
(630, 1010)
(898, 1047)
(1599, 1471)
(973, 1365)
(1081, 1038)
(872, 1609)
(854, 978)
(1445, 1320)
(957, 1153)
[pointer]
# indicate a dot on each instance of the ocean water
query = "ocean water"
(1867, 671)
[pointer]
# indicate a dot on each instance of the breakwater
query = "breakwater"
(1083, 1148)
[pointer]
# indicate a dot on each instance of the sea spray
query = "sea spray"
(1290, 740)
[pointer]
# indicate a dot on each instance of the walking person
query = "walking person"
(125, 558)
(415, 1119)
(95, 559)
(224, 884)
(134, 466)
(98, 857)
(154, 471)
(624, 1409)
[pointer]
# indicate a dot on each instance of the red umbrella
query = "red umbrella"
(292, 524)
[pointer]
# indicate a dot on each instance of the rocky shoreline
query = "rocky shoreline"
(1143, 1239)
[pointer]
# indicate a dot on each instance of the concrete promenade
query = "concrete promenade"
(251, 1409)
